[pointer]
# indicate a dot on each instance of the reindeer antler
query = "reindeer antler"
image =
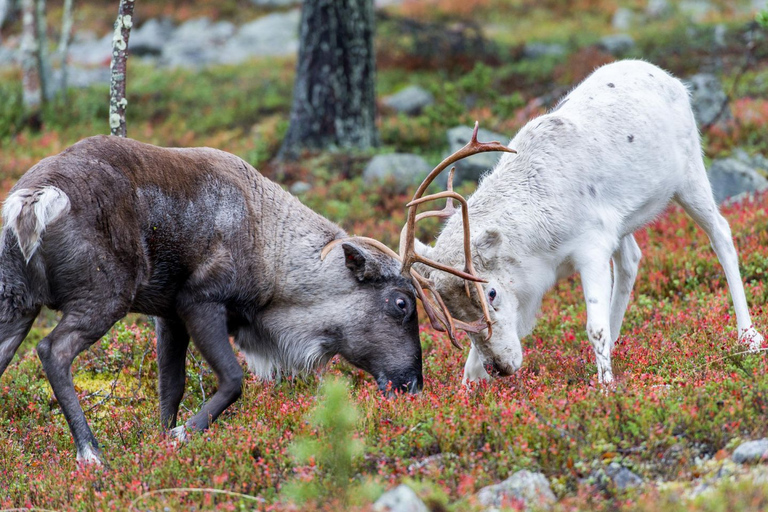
(408, 237)
(436, 310)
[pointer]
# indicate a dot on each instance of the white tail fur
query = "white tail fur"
(45, 205)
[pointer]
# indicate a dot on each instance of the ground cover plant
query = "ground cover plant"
(686, 393)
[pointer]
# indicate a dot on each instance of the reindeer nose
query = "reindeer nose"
(495, 369)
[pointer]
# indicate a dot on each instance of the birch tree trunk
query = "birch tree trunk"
(43, 63)
(5, 9)
(30, 78)
(118, 66)
(334, 99)
(64, 40)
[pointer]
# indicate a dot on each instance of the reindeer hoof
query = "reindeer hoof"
(753, 338)
(180, 434)
(89, 456)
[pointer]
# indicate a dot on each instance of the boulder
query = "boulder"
(751, 452)
(696, 10)
(275, 34)
(196, 43)
(300, 187)
(410, 100)
(617, 44)
(400, 499)
(8, 57)
(149, 38)
(403, 170)
(707, 99)
(471, 168)
(621, 477)
(731, 176)
(87, 50)
(538, 50)
(271, 4)
(623, 19)
(658, 9)
(83, 77)
(530, 488)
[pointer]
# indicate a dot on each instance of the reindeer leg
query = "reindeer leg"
(626, 260)
(75, 332)
(12, 333)
(172, 343)
(696, 198)
(473, 368)
(595, 273)
(207, 323)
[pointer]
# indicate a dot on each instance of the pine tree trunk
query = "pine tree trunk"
(334, 100)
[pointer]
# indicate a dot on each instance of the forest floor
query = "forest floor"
(686, 392)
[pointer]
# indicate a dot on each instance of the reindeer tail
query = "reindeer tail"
(27, 212)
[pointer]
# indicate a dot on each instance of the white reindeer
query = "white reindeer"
(605, 162)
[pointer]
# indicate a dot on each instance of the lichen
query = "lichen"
(114, 120)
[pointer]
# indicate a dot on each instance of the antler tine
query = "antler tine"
(446, 212)
(408, 239)
(471, 148)
(363, 239)
(444, 316)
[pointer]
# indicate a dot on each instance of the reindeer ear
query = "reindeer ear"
(422, 249)
(488, 243)
(362, 264)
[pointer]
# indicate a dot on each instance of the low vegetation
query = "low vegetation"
(686, 393)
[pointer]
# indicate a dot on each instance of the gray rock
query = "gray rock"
(275, 3)
(400, 499)
(623, 19)
(8, 57)
(696, 10)
(720, 32)
(471, 168)
(197, 43)
(707, 98)
(537, 50)
(275, 34)
(149, 38)
(410, 100)
(81, 78)
(658, 9)
(530, 488)
(621, 477)
(617, 44)
(731, 176)
(402, 169)
(300, 187)
(86, 50)
(756, 161)
(751, 451)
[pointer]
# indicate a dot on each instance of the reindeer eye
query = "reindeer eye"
(492, 294)
(401, 304)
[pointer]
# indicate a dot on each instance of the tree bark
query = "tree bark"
(43, 63)
(30, 77)
(334, 99)
(118, 66)
(64, 40)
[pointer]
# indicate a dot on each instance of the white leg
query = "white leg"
(697, 201)
(473, 368)
(596, 281)
(625, 262)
